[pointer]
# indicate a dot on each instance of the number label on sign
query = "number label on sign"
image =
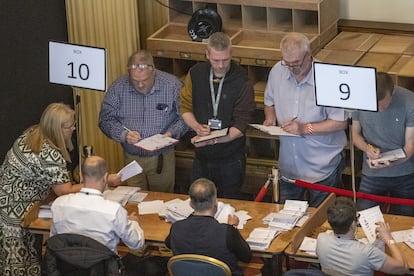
(77, 65)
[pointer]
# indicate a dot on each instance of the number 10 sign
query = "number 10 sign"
(76, 65)
(345, 86)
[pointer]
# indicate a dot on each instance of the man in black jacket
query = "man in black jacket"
(202, 234)
(217, 95)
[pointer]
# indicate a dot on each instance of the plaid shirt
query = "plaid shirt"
(152, 113)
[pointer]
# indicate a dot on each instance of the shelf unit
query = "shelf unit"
(256, 28)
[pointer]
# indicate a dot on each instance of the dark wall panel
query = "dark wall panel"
(26, 26)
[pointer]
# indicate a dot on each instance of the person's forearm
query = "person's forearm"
(328, 126)
(396, 253)
(270, 115)
(191, 121)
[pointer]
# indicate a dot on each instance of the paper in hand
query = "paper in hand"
(130, 170)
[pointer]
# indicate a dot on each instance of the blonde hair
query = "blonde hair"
(49, 130)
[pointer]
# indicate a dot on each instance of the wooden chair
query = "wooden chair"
(193, 264)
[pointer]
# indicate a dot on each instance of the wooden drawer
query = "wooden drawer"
(347, 57)
(263, 46)
(382, 61)
(173, 41)
(394, 44)
(405, 75)
(353, 41)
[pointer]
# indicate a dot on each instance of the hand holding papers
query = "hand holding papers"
(213, 134)
(367, 220)
(156, 142)
(130, 170)
(390, 156)
(272, 130)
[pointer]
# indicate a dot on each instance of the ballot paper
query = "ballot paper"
(151, 207)
(391, 155)
(406, 236)
(272, 130)
(260, 238)
(45, 210)
(121, 194)
(367, 219)
(130, 170)
(156, 142)
(212, 135)
(308, 245)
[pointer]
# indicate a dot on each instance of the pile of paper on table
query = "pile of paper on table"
(260, 238)
(122, 194)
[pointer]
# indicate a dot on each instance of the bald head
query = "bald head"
(94, 172)
(203, 195)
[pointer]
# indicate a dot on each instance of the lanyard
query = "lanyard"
(215, 100)
(89, 193)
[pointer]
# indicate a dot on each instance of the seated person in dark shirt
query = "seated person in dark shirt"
(202, 234)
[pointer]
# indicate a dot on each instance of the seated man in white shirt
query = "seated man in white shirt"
(88, 213)
(341, 254)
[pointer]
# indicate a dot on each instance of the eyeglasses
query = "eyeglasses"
(141, 67)
(73, 125)
(293, 66)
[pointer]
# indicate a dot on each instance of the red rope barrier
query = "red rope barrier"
(343, 192)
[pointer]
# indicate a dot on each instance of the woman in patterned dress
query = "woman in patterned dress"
(35, 165)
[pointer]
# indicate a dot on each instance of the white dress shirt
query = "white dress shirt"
(88, 213)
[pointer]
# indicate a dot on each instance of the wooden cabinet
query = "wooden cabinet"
(256, 28)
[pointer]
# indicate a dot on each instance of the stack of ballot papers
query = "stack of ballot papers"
(45, 210)
(289, 216)
(260, 238)
(406, 236)
(308, 245)
(177, 209)
(367, 219)
(121, 194)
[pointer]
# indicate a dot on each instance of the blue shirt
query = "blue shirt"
(311, 158)
(149, 114)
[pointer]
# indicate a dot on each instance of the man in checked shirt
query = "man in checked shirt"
(141, 104)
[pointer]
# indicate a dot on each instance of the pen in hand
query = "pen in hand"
(291, 120)
(127, 129)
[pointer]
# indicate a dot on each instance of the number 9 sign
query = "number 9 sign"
(345, 86)
(77, 65)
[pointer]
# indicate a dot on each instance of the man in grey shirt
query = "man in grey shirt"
(374, 133)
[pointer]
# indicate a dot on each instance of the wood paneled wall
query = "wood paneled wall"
(110, 24)
(153, 14)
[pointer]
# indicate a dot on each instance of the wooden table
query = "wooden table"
(156, 228)
(396, 223)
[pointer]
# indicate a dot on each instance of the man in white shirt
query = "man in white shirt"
(88, 213)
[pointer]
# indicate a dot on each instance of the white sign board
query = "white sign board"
(76, 65)
(345, 86)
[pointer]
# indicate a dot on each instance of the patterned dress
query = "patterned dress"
(25, 177)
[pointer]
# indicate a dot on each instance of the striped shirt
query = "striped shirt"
(149, 114)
